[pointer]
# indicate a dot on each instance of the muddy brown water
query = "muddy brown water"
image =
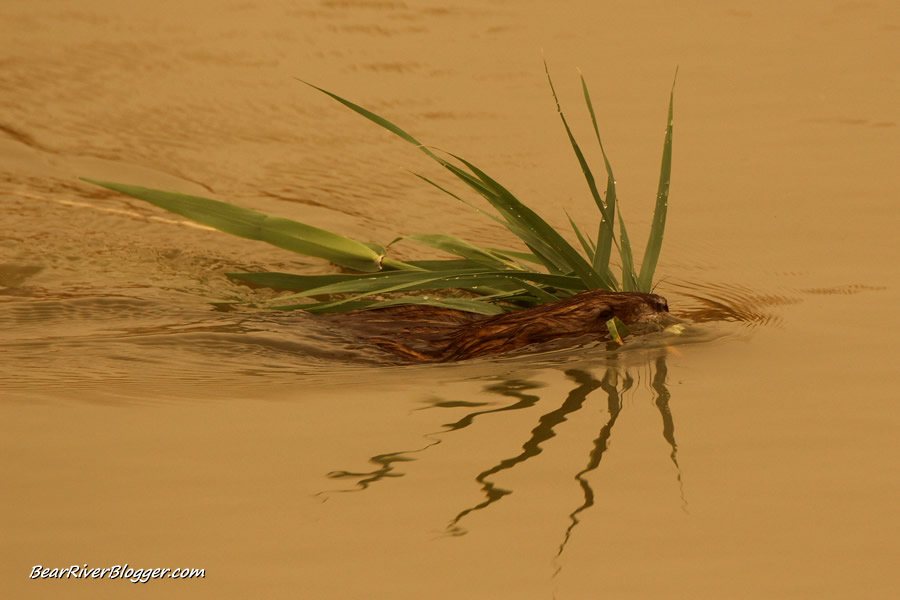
(755, 456)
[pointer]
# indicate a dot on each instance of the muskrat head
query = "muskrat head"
(584, 314)
(635, 308)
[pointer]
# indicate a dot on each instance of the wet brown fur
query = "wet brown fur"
(429, 333)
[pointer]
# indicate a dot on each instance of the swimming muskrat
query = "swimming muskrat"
(430, 333)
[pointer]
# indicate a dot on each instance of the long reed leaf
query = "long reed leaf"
(532, 257)
(539, 293)
(658, 227)
(464, 304)
(441, 282)
(527, 219)
(452, 264)
(381, 283)
(252, 224)
(545, 252)
(606, 234)
(381, 121)
(579, 155)
(552, 260)
(290, 281)
(519, 256)
(586, 243)
(464, 249)
(629, 278)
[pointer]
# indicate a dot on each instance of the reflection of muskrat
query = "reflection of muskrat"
(429, 333)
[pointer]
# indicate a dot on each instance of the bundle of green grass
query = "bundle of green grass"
(493, 280)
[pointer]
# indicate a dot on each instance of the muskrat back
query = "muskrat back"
(430, 333)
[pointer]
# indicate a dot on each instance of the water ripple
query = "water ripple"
(701, 302)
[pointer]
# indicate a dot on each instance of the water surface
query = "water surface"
(753, 457)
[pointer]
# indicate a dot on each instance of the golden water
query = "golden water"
(756, 458)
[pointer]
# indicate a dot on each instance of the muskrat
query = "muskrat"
(433, 334)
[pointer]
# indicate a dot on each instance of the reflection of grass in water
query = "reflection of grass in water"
(385, 462)
(500, 279)
(610, 385)
(543, 432)
(615, 382)
(385, 468)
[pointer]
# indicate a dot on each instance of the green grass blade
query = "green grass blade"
(388, 263)
(439, 282)
(373, 283)
(514, 256)
(629, 279)
(586, 243)
(452, 264)
(366, 290)
(612, 277)
(244, 222)
(519, 298)
(378, 120)
(658, 227)
(544, 251)
(535, 257)
(376, 283)
(289, 281)
(519, 256)
(463, 200)
(325, 307)
(617, 330)
(381, 283)
(538, 292)
(606, 232)
(463, 304)
(523, 217)
(464, 249)
(540, 254)
(585, 169)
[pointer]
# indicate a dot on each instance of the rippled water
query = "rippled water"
(147, 420)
